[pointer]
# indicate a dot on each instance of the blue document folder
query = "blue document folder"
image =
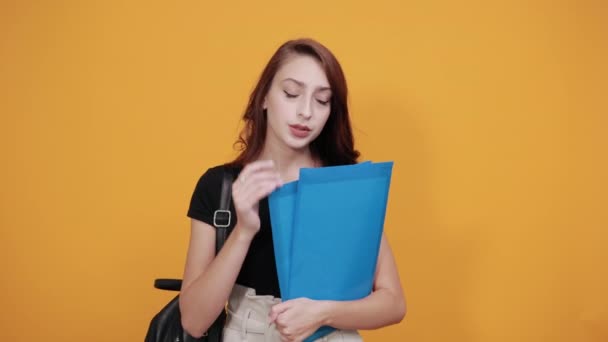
(282, 204)
(338, 225)
(337, 215)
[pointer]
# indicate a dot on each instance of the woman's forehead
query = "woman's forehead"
(303, 71)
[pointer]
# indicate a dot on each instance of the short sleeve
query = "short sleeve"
(206, 196)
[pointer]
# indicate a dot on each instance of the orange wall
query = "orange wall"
(495, 116)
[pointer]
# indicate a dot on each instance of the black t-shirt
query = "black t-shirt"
(259, 268)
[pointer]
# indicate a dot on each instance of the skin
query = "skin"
(299, 94)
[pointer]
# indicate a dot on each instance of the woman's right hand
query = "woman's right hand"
(256, 181)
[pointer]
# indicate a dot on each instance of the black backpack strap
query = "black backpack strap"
(222, 217)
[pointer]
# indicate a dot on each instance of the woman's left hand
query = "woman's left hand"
(297, 319)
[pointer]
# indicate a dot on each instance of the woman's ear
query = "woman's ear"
(264, 106)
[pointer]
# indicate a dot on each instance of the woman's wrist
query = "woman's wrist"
(328, 309)
(243, 234)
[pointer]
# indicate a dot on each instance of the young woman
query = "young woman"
(297, 117)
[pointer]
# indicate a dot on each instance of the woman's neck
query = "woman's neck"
(288, 161)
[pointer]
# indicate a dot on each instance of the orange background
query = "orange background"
(495, 114)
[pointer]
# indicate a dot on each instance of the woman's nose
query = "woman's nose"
(305, 109)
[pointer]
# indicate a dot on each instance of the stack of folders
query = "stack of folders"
(327, 228)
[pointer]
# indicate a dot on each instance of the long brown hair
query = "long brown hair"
(335, 143)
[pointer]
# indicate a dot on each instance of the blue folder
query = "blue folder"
(282, 204)
(326, 232)
(337, 229)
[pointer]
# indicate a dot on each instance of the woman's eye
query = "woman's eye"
(324, 103)
(289, 95)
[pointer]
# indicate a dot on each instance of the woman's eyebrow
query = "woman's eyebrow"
(303, 85)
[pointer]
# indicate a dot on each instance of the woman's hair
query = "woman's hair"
(335, 144)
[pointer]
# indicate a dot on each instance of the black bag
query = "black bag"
(166, 325)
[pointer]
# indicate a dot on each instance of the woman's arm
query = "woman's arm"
(298, 318)
(208, 279)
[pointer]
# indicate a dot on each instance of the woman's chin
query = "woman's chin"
(297, 144)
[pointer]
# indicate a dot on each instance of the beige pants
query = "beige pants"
(248, 320)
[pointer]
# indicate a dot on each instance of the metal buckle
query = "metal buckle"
(222, 217)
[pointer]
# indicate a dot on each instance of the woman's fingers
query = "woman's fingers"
(256, 181)
(254, 193)
(276, 310)
(257, 178)
(254, 167)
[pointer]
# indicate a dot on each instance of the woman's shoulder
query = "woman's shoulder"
(206, 195)
(215, 174)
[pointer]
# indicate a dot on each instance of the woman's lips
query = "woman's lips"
(299, 131)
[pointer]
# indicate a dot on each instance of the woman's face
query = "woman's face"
(298, 102)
